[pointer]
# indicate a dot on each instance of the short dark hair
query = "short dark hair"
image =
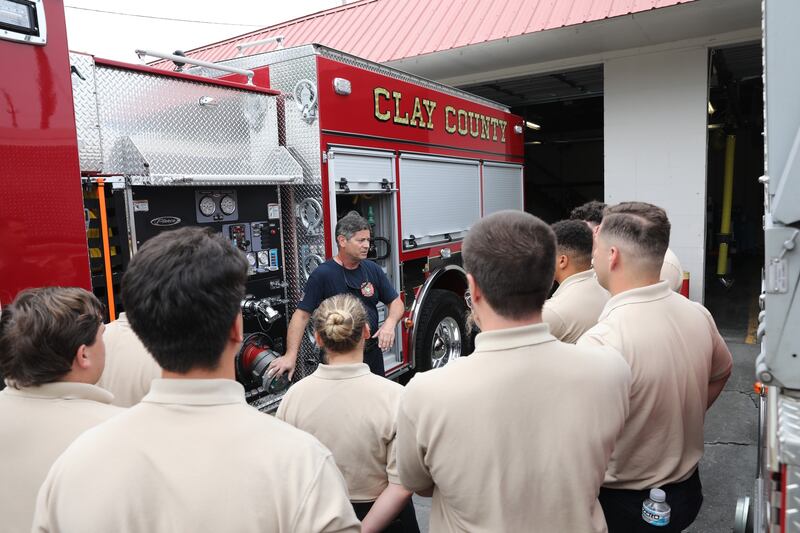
(574, 238)
(644, 226)
(350, 224)
(590, 212)
(41, 331)
(511, 255)
(182, 292)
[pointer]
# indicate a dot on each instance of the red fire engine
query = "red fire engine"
(270, 150)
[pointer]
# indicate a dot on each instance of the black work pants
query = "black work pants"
(373, 356)
(623, 508)
(406, 521)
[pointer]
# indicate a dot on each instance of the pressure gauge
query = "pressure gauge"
(207, 206)
(263, 258)
(251, 259)
(227, 205)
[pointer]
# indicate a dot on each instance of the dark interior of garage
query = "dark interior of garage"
(563, 136)
(735, 125)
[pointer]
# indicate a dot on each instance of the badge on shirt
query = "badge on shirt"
(367, 290)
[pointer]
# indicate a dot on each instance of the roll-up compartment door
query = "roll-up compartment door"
(502, 187)
(353, 170)
(439, 198)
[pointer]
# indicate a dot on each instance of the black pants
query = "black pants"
(406, 521)
(373, 356)
(623, 508)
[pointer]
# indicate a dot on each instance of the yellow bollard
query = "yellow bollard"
(727, 203)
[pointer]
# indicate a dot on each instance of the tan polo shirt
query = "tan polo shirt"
(575, 306)
(672, 271)
(515, 437)
(353, 413)
(674, 350)
(36, 425)
(129, 366)
(193, 456)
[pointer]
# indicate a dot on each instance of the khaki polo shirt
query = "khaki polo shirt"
(129, 366)
(193, 456)
(672, 271)
(36, 425)
(674, 350)
(575, 306)
(353, 413)
(517, 436)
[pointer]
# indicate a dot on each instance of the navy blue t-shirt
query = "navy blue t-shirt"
(368, 282)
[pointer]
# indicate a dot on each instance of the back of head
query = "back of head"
(639, 228)
(41, 331)
(182, 293)
(350, 224)
(511, 255)
(574, 239)
(589, 212)
(339, 321)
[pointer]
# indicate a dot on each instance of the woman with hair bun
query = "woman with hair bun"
(352, 412)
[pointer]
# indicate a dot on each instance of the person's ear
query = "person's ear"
(474, 290)
(82, 360)
(236, 334)
(365, 333)
(318, 340)
(562, 261)
(614, 258)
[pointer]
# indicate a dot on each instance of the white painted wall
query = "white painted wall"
(655, 143)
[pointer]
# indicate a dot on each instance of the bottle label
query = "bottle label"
(655, 518)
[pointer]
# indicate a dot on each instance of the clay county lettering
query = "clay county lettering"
(389, 105)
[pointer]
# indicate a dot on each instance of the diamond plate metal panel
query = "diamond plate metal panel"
(304, 247)
(87, 122)
(792, 511)
(789, 430)
(177, 131)
(302, 136)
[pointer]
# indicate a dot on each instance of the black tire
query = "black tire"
(443, 313)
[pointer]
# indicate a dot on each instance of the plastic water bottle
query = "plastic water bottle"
(655, 509)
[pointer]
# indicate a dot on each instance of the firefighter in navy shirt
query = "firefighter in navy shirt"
(347, 273)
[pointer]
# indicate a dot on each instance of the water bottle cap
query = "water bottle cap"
(658, 495)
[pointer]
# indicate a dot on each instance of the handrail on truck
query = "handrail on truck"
(276, 39)
(197, 62)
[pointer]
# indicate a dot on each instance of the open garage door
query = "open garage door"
(563, 136)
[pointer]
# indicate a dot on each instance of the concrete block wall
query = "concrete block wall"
(655, 127)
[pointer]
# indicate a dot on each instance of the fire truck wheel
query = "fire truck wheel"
(445, 336)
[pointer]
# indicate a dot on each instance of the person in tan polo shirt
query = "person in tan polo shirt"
(129, 366)
(579, 299)
(671, 269)
(353, 412)
(51, 355)
(192, 455)
(679, 364)
(517, 436)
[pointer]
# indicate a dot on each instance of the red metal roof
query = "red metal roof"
(388, 30)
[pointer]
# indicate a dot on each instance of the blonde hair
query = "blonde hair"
(339, 321)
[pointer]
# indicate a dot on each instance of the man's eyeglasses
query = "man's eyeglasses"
(468, 298)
